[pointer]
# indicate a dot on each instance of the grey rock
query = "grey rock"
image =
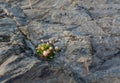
(7, 28)
(12, 53)
(9, 69)
(86, 31)
(18, 14)
(16, 11)
(20, 21)
(30, 45)
(44, 72)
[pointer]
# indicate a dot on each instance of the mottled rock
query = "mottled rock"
(87, 33)
(18, 14)
(9, 69)
(45, 72)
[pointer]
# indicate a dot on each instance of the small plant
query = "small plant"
(46, 50)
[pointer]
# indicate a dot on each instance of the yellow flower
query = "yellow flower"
(37, 50)
(42, 48)
(38, 47)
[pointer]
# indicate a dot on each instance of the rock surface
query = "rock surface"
(86, 31)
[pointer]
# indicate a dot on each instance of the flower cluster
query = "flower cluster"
(46, 50)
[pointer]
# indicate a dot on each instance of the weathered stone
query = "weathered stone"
(16, 11)
(87, 33)
(18, 14)
(11, 70)
(43, 73)
(7, 27)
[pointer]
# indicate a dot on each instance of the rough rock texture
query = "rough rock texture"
(86, 31)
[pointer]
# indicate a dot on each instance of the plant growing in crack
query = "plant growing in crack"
(46, 50)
